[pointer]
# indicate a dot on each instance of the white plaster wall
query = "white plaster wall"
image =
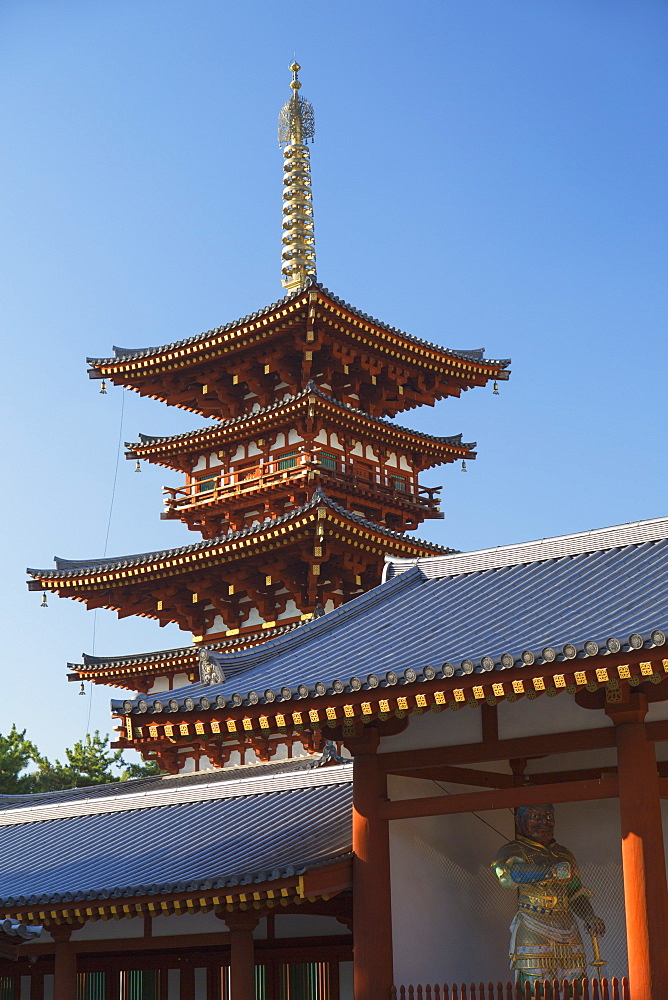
(159, 684)
(214, 460)
(526, 717)
(279, 442)
(293, 437)
(403, 464)
(253, 449)
(239, 453)
(370, 454)
(334, 440)
(201, 463)
(197, 923)
(345, 981)
(290, 925)
(253, 618)
(291, 610)
(450, 915)
(357, 450)
(173, 984)
(180, 680)
(102, 930)
(218, 626)
(574, 760)
(658, 710)
(321, 437)
(436, 729)
(200, 984)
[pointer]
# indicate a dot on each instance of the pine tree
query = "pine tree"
(89, 762)
(17, 754)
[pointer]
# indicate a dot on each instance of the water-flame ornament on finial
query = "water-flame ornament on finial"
(296, 127)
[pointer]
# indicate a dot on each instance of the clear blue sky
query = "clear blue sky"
(485, 173)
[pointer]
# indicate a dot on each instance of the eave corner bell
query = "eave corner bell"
(296, 127)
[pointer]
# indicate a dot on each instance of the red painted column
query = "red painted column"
(242, 954)
(112, 984)
(187, 982)
(36, 986)
(645, 892)
(65, 971)
(372, 905)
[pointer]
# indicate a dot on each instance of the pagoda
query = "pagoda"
(301, 485)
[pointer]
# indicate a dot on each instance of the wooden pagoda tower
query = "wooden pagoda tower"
(301, 485)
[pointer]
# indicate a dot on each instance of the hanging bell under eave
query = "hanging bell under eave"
(463, 465)
(82, 688)
(495, 391)
(103, 389)
(44, 603)
(137, 466)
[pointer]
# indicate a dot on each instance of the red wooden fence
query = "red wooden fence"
(587, 989)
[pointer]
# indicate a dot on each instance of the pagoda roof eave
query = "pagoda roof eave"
(158, 449)
(124, 356)
(524, 616)
(100, 570)
(123, 671)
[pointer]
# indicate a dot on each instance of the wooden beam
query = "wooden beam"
(201, 944)
(523, 746)
(462, 776)
(502, 798)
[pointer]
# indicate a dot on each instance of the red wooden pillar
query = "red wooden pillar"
(273, 990)
(242, 954)
(213, 982)
(65, 970)
(36, 986)
(187, 982)
(112, 984)
(163, 984)
(372, 905)
(645, 892)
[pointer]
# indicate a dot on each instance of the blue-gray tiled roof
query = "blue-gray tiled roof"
(18, 931)
(175, 836)
(452, 614)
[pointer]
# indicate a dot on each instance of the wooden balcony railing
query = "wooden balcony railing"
(291, 469)
(581, 989)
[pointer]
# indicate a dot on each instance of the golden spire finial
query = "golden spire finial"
(295, 128)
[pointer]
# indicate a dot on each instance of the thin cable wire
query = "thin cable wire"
(106, 541)
(448, 792)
